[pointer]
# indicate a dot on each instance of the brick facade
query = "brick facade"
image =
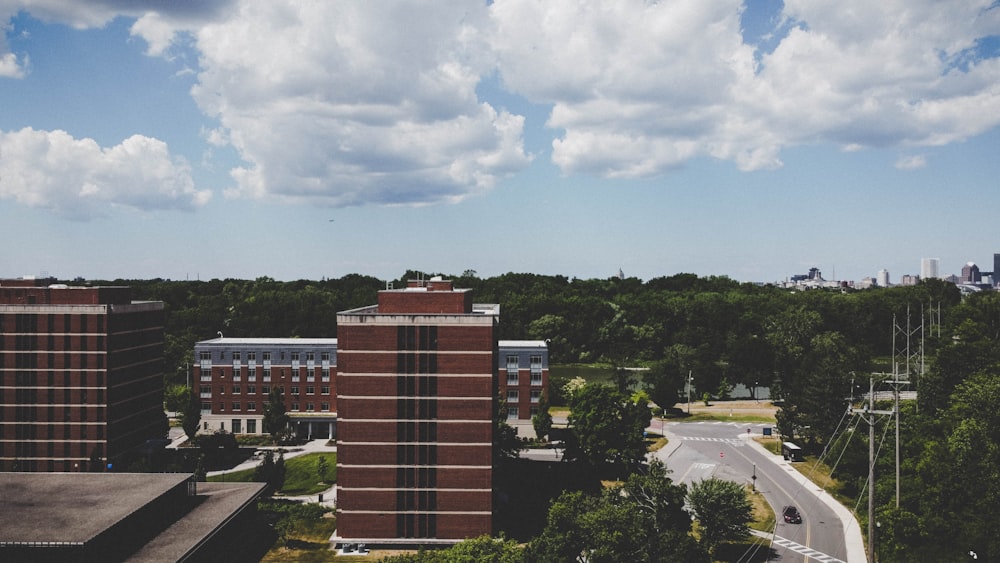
(234, 378)
(81, 380)
(417, 380)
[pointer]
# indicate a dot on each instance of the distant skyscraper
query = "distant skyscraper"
(882, 278)
(970, 273)
(996, 268)
(929, 268)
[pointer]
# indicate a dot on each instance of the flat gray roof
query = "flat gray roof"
(220, 501)
(270, 341)
(76, 507)
(73, 507)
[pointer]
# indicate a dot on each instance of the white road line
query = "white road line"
(735, 442)
(803, 550)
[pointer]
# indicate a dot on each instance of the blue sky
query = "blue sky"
(304, 140)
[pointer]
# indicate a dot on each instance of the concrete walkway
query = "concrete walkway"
(313, 446)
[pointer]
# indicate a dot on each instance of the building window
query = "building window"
(310, 356)
(251, 406)
(295, 356)
(536, 395)
(325, 407)
(251, 374)
(206, 408)
(236, 405)
(267, 358)
(512, 396)
(266, 390)
(237, 426)
(236, 389)
(325, 390)
(325, 357)
(295, 407)
(536, 369)
(236, 356)
(295, 390)
(326, 374)
(252, 389)
(251, 356)
(309, 407)
(534, 412)
(511, 413)
(310, 390)
(251, 426)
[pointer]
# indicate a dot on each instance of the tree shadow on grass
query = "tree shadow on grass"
(754, 550)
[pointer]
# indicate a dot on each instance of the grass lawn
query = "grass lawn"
(309, 541)
(723, 417)
(300, 474)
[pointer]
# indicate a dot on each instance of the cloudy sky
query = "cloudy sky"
(239, 138)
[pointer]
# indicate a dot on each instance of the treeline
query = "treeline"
(815, 349)
(715, 328)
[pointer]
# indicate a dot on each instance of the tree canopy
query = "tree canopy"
(608, 427)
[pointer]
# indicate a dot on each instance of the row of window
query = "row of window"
(514, 361)
(514, 396)
(514, 413)
(265, 390)
(512, 379)
(206, 355)
(237, 406)
(251, 373)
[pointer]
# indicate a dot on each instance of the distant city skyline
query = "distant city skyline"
(302, 140)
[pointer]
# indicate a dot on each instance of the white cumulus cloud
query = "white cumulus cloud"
(347, 103)
(911, 162)
(640, 87)
(80, 179)
(351, 103)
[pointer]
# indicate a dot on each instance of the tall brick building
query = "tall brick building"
(81, 375)
(416, 395)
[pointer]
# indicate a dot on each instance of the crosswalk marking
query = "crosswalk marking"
(731, 441)
(807, 551)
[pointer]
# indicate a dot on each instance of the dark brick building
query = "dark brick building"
(81, 375)
(416, 381)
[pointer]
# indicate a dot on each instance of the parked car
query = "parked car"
(791, 515)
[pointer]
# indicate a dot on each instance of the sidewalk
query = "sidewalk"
(292, 451)
(853, 539)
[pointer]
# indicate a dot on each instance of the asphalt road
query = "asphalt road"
(712, 449)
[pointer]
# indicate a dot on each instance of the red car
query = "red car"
(791, 515)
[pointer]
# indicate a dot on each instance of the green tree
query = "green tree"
(482, 549)
(723, 510)
(608, 428)
(664, 383)
(175, 397)
(321, 468)
(271, 471)
(640, 520)
(506, 445)
(275, 420)
(191, 415)
(542, 421)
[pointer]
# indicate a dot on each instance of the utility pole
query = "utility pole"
(689, 391)
(870, 411)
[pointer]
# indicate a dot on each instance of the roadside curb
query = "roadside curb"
(852, 530)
